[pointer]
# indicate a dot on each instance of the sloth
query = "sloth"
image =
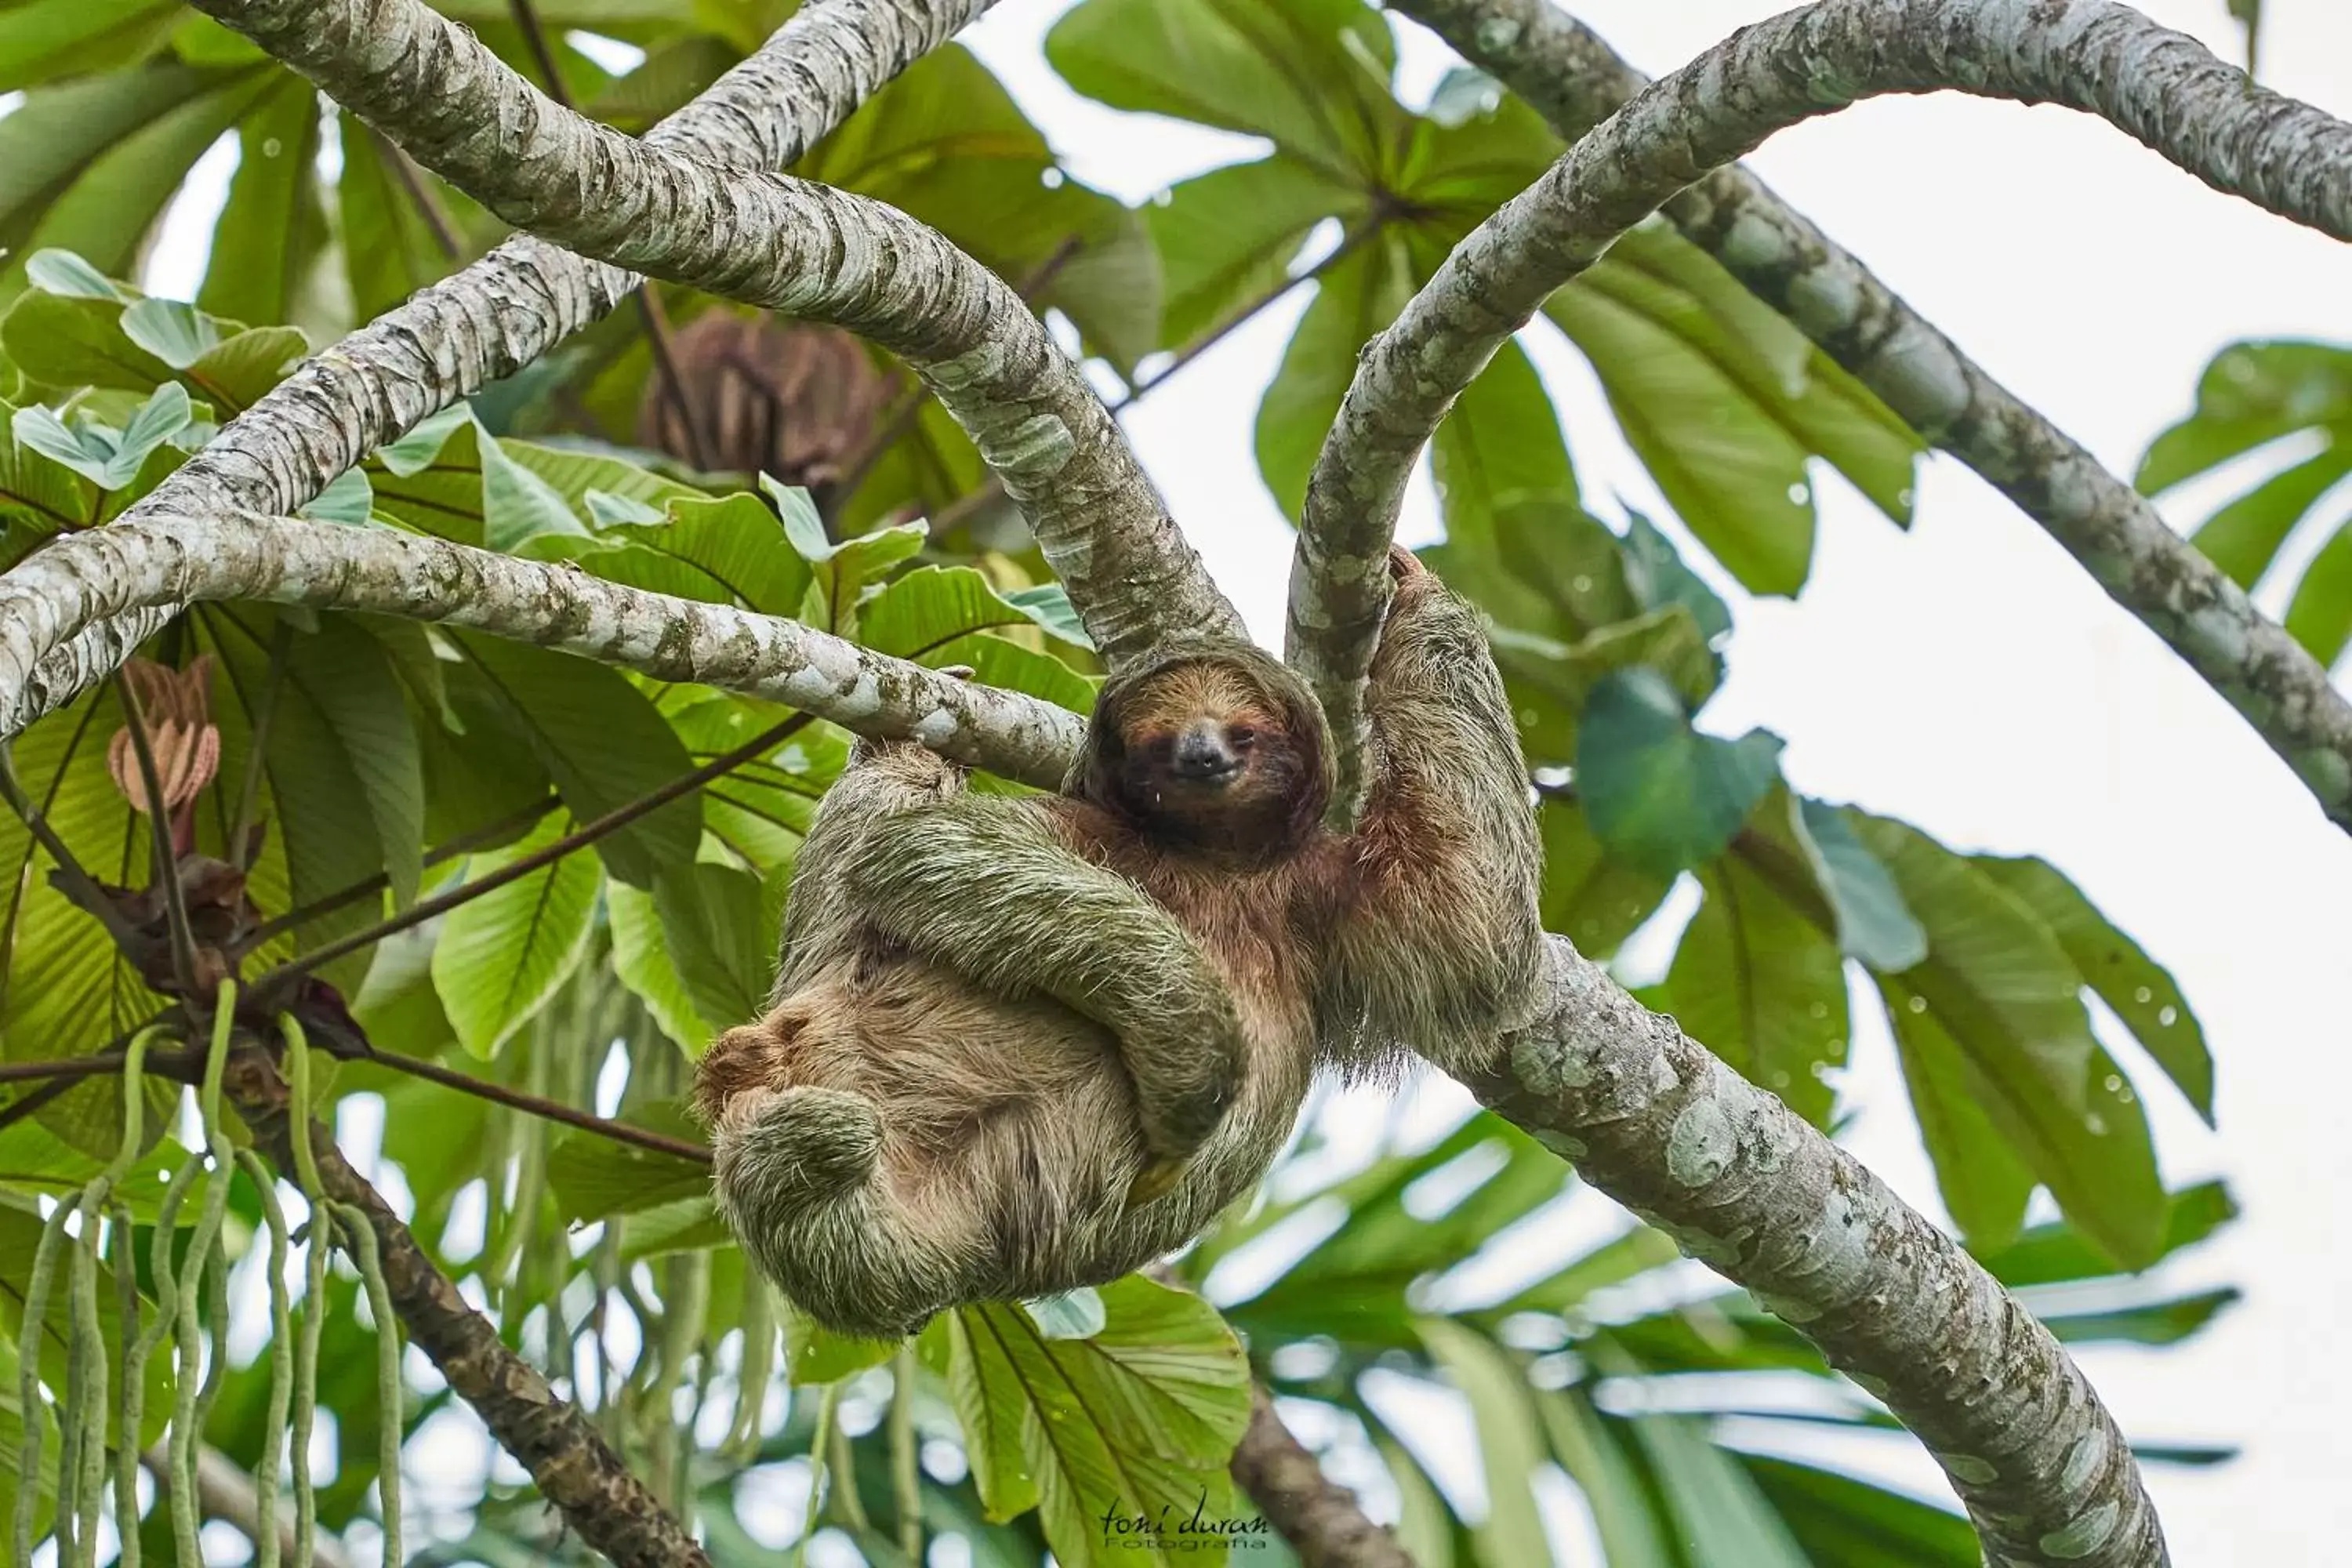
(1021, 1045)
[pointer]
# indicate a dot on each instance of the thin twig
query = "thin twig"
(658, 339)
(534, 39)
(16, 1110)
(610, 822)
(463, 844)
(542, 1107)
(420, 196)
(1347, 246)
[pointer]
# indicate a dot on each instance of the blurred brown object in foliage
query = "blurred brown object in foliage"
(793, 399)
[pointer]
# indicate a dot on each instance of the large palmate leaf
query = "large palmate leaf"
(1659, 792)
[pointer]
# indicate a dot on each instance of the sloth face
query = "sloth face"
(1205, 757)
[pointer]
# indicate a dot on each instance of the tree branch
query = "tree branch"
(526, 296)
(1753, 1192)
(2092, 54)
(806, 251)
(81, 579)
(569, 1460)
(1321, 1519)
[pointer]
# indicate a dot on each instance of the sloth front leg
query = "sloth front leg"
(986, 887)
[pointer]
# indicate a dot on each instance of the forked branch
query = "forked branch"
(2091, 55)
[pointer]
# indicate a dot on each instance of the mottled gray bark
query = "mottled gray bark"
(2104, 58)
(504, 311)
(1751, 1189)
(803, 249)
(77, 581)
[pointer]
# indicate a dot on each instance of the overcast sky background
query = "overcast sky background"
(1966, 676)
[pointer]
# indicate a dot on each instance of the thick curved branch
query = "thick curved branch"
(81, 579)
(2091, 55)
(569, 1460)
(510, 308)
(1324, 1523)
(1756, 1193)
(801, 249)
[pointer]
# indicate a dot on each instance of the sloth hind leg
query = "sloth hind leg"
(804, 1182)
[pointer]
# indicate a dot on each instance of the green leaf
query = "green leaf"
(1840, 1522)
(2243, 537)
(1141, 1416)
(71, 339)
(38, 495)
(517, 504)
(349, 679)
(1075, 1314)
(179, 335)
(44, 39)
(2148, 1323)
(66, 989)
(1589, 896)
(1763, 987)
(602, 743)
(642, 961)
(2142, 991)
(348, 499)
(1659, 793)
(1720, 1517)
(273, 225)
(504, 955)
(845, 570)
(108, 459)
(1510, 1445)
(595, 1177)
(1998, 983)
(106, 214)
(1734, 475)
(53, 135)
(1985, 1185)
(2251, 393)
(719, 926)
(1536, 564)
(2055, 1253)
(947, 144)
(1312, 75)
(1500, 443)
(389, 248)
(2320, 614)
(815, 1354)
(1354, 299)
(1872, 922)
(1656, 576)
(1049, 604)
(1227, 238)
(1623, 1513)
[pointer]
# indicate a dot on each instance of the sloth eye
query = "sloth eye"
(1241, 735)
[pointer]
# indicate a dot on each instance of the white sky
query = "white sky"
(1966, 676)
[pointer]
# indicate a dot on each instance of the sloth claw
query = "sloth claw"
(1153, 1182)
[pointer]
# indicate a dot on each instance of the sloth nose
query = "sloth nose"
(1203, 757)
